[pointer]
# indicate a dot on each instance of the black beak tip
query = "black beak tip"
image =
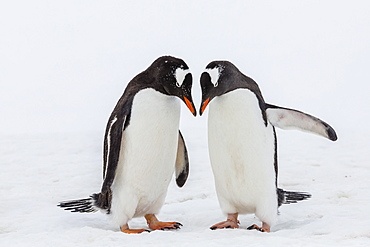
(200, 113)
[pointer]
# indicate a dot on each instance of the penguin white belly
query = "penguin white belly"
(147, 156)
(241, 149)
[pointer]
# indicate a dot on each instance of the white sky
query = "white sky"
(64, 64)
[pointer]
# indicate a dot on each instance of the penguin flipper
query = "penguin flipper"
(112, 146)
(182, 162)
(286, 118)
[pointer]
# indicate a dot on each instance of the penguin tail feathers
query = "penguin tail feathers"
(288, 197)
(87, 205)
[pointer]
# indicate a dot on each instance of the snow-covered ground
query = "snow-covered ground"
(64, 64)
(39, 170)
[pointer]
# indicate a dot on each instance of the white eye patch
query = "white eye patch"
(180, 76)
(214, 74)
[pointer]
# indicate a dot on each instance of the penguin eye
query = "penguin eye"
(178, 84)
(216, 84)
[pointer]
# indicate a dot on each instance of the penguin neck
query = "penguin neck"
(155, 108)
(236, 103)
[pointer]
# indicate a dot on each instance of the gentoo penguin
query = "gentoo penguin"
(243, 145)
(143, 147)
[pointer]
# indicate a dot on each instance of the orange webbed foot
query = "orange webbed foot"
(225, 224)
(231, 222)
(160, 225)
(155, 224)
(126, 229)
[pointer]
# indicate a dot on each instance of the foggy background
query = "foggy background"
(64, 64)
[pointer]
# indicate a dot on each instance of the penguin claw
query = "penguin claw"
(170, 228)
(255, 227)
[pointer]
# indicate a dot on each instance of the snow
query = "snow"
(57, 167)
(64, 64)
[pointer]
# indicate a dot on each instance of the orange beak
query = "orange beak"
(204, 106)
(190, 106)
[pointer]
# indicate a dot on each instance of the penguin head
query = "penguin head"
(173, 77)
(218, 78)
